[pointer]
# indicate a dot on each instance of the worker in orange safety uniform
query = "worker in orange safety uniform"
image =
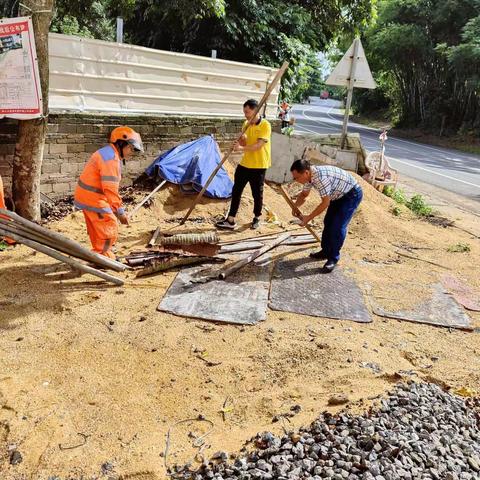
(97, 194)
(2, 205)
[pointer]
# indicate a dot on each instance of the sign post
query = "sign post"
(352, 71)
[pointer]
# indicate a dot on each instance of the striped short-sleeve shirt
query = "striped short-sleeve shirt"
(330, 181)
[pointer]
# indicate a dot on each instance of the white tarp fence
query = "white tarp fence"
(95, 76)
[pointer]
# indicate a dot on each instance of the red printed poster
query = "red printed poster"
(20, 94)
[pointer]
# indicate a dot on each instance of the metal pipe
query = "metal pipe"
(150, 195)
(75, 246)
(63, 258)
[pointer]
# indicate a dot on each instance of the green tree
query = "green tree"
(422, 53)
(250, 31)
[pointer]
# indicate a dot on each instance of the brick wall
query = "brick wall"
(71, 139)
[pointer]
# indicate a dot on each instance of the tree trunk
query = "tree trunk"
(27, 160)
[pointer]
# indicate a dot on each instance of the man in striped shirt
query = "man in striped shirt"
(340, 194)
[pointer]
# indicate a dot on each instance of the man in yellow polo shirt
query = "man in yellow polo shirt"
(255, 161)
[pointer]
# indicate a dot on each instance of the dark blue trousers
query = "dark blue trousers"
(338, 216)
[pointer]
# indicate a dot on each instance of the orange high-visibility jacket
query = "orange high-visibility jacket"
(97, 188)
(2, 195)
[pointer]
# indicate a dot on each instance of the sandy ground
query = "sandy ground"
(92, 375)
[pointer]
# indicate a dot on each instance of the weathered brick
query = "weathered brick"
(7, 149)
(61, 187)
(67, 128)
(48, 168)
(46, 188)
(75, 148)
(57, 148)
(68, 168)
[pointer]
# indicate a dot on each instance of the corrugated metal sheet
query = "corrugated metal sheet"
(95, 76)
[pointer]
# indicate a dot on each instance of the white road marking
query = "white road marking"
(401, 148)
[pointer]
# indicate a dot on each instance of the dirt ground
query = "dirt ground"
(92, 376)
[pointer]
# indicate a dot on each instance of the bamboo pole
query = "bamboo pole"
(267, 93)
(250, 258)
(62, 258)
(150, 195)
(60, 239)
(295, 208)
(36, 237)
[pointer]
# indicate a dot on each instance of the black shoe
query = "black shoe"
(318, 255)
(329, 266)
(226, 224)
(255, 223)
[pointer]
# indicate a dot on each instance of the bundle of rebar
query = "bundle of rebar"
(57, 246)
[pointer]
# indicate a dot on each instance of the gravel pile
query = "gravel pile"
(418, 432)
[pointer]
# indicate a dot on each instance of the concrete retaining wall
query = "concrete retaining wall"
(318, 149)
(72, 139)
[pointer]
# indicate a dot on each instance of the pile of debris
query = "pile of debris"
(53, 209)
(168, 250)
(418, 432)
(57, 209)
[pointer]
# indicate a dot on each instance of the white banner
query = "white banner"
(20, 92)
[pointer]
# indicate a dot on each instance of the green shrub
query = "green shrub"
(397, 195)
(418, 206)
(459, 248)
(397, 211)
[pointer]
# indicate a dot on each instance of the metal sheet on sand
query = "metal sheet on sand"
(298, 286)
(440, 310)
(241, 298)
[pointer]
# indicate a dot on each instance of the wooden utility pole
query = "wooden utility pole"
(27, 160)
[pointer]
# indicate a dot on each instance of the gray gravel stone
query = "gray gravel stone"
(418, 433)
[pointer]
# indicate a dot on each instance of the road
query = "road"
(445, 168)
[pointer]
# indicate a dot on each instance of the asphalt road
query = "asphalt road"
(448, 169)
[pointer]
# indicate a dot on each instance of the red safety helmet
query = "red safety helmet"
(128, 135)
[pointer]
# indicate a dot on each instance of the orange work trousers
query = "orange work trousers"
(102, 229)
(2, 205)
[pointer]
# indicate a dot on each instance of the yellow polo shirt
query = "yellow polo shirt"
(261, 158)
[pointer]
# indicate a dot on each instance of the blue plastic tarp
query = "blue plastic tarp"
(193, 163)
